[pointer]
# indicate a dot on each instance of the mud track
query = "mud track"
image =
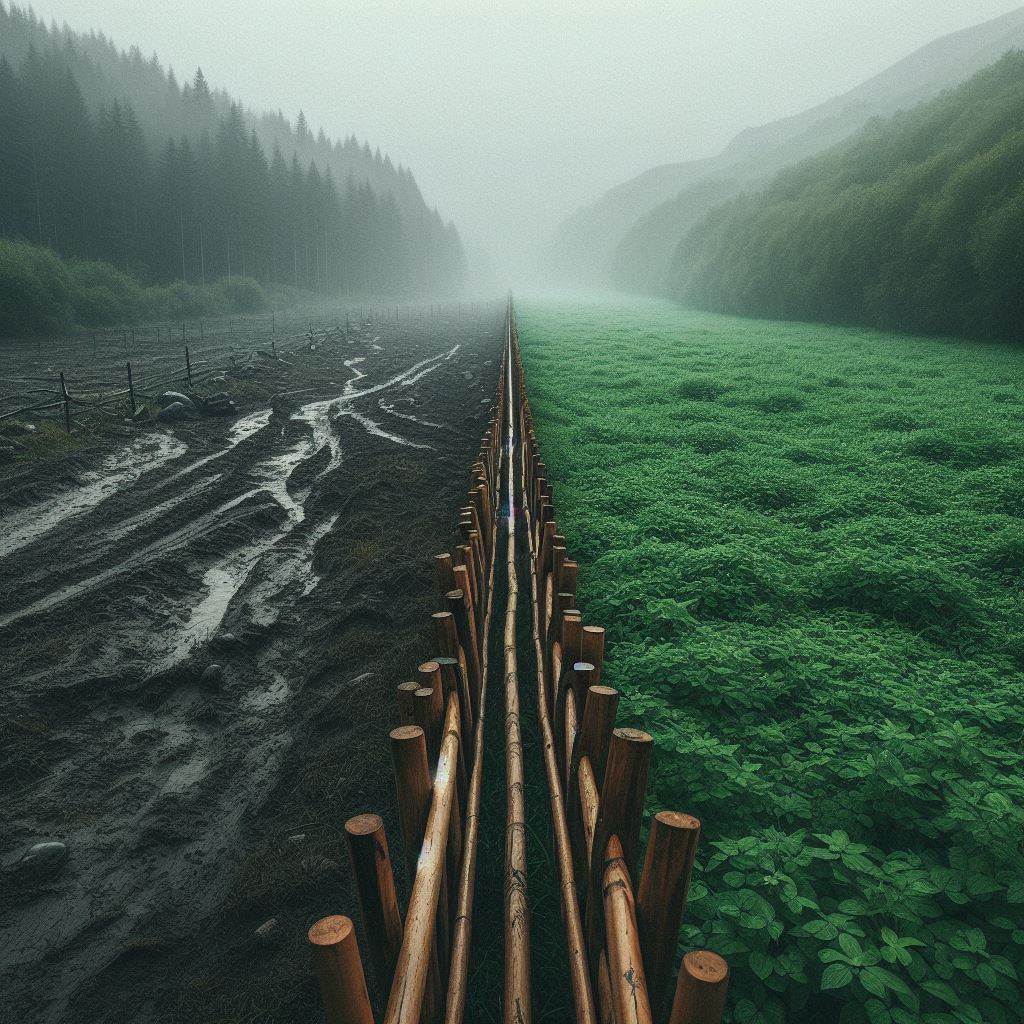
(293, 549)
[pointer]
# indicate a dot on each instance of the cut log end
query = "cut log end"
(364, 824)
(706, 967)
(330, 931)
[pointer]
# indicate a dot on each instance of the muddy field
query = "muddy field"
(202, 626)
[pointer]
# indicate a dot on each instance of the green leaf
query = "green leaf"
(878, 1012)
(941, 990)
(761, 964)
(872, 982)
(849, 945)
(836, 976)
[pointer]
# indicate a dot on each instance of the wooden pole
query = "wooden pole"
(579, 979)
(620, 814)
(414, 787)
(458, 604)
(625, 964)
(378, 902)
(458, 976)
(418, 945)
(701, 990)
(445, 573)
(131, 390)
(602, 705)
(518, 1006)
(66, 398)
(406, 707)
(593, 649)
(661, 898)
(338, 967)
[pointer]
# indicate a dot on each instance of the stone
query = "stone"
(213, 675)
(174, 412)
(170, 397)
(42, 859)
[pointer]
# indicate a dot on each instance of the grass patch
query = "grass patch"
(808, 561)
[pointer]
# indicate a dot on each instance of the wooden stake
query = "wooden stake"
(406, 714)
(593, 649)
(378, 902)
(426, 905)
(661, 898)
(701, 990)
(445, 573)
(622, 805)
(337, 964)
(599, 713)
(423, 712)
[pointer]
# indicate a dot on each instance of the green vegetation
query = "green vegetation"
(917, 224)
(806, 544)
(41, 293)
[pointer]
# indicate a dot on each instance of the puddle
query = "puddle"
(389, 408)
(373, 427)
(241, 430)
(118, 471)
(159, 547)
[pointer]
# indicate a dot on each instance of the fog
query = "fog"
(511, 114)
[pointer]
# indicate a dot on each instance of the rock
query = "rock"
(213, 675)
(226, 639)
(268, 932)
(42, 859)
(170, 397)
(223, 407)
(174, 412)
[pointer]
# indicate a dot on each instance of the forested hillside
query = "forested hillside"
(105, 156)
(600, 243)
(916, 224)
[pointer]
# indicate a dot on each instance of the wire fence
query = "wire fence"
(110, 371)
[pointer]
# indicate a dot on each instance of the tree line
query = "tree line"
(916, 224)
(101, 183)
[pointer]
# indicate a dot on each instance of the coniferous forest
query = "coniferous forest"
(106, 158)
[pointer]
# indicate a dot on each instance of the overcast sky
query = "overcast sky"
(510, 114)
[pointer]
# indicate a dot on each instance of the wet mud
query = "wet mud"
(202, 629)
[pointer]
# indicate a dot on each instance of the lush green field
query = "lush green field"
(806, 544)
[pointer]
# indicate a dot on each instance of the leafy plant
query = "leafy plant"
(820, 623)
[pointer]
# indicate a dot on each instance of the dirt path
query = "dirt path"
(202, 633)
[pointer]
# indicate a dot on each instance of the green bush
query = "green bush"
(40, 293)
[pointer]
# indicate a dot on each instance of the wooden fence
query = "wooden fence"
(621, 934)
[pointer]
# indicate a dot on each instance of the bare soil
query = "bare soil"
(292, 549)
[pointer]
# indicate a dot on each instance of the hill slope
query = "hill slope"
(585, 244)
(916, 224)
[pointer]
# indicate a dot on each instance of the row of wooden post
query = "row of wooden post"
(420, 959)
(622, 937)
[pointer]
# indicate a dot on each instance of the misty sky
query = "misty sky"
(510, 114)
